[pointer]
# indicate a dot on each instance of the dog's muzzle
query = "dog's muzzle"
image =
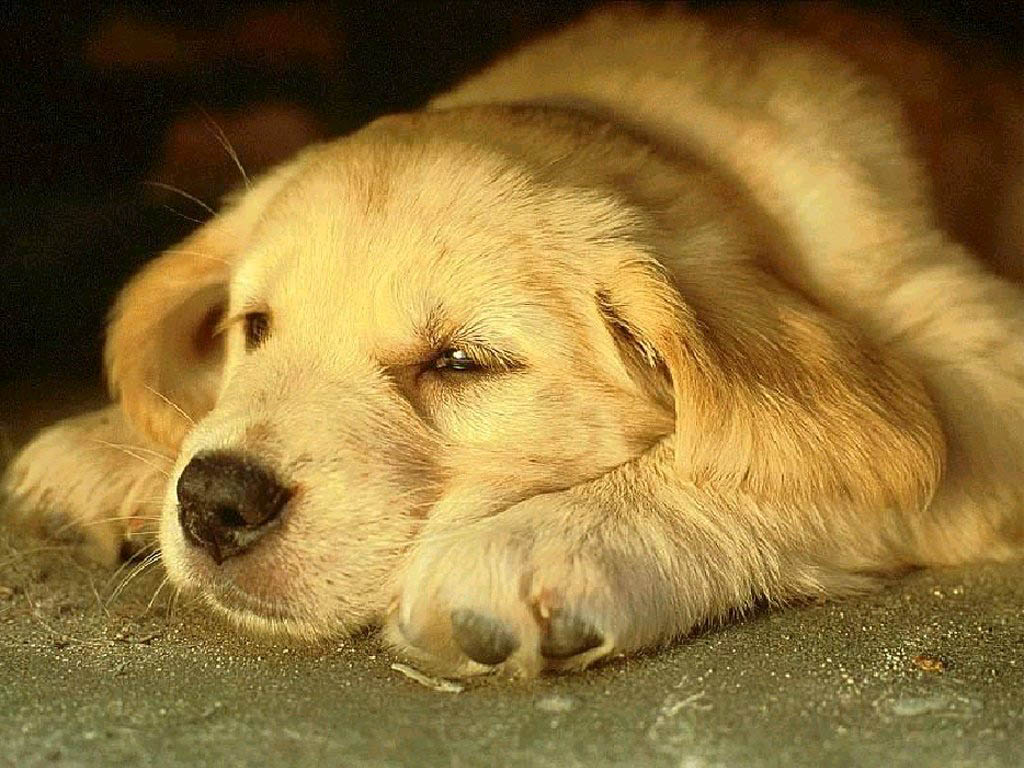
(227, 502)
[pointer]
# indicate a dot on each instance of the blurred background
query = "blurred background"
(116, 118)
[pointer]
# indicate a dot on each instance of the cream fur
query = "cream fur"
(738, 355)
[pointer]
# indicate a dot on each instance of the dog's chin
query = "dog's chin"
(272, 620)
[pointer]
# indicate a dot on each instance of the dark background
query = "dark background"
(98, 100)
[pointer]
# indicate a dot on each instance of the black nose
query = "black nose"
(227, 501)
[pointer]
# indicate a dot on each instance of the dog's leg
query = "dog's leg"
(90, 480)
(629, 560)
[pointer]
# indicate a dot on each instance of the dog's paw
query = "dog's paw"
(536, 588)
(89, 482)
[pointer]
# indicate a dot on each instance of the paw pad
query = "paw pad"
(567, 635)
(483, 639)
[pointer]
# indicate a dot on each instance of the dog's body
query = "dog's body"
(656, 318)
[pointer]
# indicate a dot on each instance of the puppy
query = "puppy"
(655, 319)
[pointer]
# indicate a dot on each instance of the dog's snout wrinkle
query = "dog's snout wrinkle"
(227, 501)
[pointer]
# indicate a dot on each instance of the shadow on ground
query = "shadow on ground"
(929, 672)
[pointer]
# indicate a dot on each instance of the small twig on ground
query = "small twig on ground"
(433, 683)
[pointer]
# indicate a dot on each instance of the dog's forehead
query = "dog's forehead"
(381, 204)
(358, 192)
(393, 237)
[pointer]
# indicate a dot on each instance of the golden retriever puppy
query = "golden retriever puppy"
(654, 319)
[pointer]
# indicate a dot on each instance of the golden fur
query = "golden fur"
(734, 352)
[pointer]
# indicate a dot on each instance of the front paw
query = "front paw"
(539, 587)
(89, 482)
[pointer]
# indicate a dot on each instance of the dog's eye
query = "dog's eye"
(257, 326)
(457, 360)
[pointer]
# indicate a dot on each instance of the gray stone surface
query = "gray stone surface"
(928, 672)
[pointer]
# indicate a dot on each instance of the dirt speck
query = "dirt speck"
(928, 663)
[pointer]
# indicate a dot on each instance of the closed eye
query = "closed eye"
(472, 358)
(456, 360)
(257, 328)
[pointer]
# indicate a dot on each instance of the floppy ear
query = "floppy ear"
(776, 398)
(163, 351)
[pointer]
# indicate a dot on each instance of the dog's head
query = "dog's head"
(446, 314)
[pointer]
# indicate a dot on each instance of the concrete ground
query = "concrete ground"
(929, 672)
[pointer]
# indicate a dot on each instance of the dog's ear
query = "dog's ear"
(776, 398)
(164, 352)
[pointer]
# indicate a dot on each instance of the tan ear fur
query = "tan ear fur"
(780, 400)
(163, 354)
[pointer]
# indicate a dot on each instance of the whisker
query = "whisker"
(138, 448)
(183, 601)
(129, 452)
(223, 140)
(163, 583)
(99, 600)
(173, 405)
(182, 192)
(121, 569)
(78, 524)
(184, 216)
(148, 561)
(150, 547)
(180, 601)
